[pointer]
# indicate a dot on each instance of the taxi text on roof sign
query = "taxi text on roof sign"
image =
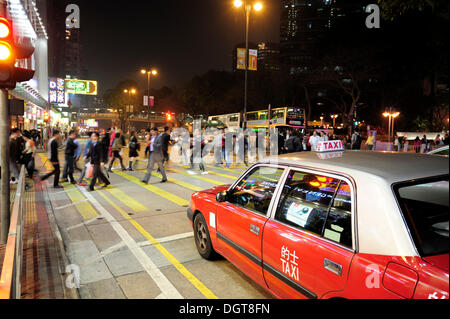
(330, 146)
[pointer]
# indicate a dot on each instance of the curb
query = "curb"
(63, 261)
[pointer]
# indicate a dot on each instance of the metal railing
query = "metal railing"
(11, 272)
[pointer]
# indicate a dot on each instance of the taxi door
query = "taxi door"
(241, 219)
(308, 242)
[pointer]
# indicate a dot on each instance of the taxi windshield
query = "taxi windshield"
(424, 205)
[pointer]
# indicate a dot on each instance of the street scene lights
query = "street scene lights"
(248, 6)
(130, 91)
(258, 6)
(334, 117)
(150, 72)
(391, 118)
(128, 109)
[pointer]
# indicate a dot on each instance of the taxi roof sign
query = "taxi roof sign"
(330, 146)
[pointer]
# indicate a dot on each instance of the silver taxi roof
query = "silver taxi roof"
(391, 166)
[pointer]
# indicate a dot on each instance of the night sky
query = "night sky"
(181, 38)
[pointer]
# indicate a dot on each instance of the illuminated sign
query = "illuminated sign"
(57, 91)
(82, 87)
(90, 123)
(330, 146)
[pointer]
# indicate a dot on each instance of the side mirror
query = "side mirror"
(222, 197)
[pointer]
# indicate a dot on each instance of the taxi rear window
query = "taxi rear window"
(424, 205)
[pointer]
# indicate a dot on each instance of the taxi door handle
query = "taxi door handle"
(332, 266)
(254, 229)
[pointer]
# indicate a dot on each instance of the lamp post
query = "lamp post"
(391, 118)
(334, 117)
(149, 73)
(248, 7)
(130, 92)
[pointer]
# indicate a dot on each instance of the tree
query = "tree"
(210, 94)
(118, 100)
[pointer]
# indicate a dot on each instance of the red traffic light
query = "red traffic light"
(6, 41)
(10, 51)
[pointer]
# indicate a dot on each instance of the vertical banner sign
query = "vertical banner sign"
(240, 59)
(149, 101)
(253, 60)
(57, 91)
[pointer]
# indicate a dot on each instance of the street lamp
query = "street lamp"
(334, 117)
(248, 5)
(391, 116)
(130, 92)
(321, 120)
(149, 73)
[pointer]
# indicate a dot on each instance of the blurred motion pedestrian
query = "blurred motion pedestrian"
(53, 149)
(156, 157)
(133, 146)
(96, 155)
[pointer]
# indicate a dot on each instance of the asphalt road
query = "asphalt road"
(135, 241)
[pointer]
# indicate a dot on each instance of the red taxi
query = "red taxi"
(333, 225)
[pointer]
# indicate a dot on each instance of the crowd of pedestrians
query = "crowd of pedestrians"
(102, 150)
(100, 153)
(294, 141)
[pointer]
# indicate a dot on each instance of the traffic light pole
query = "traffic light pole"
(4, 156)
(4, 164)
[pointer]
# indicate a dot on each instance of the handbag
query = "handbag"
(89, 170)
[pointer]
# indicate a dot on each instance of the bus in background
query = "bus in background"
(281, 118)
(232, 121)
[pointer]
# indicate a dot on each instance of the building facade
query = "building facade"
(269, 57)
(30, 26)
(305, 23)
(65, 47)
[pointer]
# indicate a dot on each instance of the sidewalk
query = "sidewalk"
(43, 265)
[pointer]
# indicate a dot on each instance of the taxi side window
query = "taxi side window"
(305, 201)
(338, 227)
(318, 204)
(255, 191)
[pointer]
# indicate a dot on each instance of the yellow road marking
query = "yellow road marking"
(127, 200)
(186, 273)
(158, 191)
(223, 175)
(48, 165)
(212, 181)
(86, 210)
(175, 181)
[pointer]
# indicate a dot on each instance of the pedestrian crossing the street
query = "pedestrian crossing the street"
(183, 178)
(126, 218)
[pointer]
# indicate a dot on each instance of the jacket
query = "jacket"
(54, 151)
(96, 153)
(71, 148)
(157, 154)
